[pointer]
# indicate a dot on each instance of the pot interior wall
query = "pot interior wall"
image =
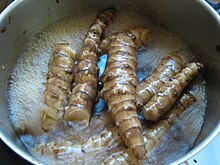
(187, 19)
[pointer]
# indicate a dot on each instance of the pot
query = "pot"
(193, 21)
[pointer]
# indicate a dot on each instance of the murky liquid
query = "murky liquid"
(28, 77)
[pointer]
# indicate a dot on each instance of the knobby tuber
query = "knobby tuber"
(142, 35)
(169, 66)
(85, 85)
(65, 148)
(170, 91)
(59, 79)
(108, 137)
(119, 90)
(153, 134)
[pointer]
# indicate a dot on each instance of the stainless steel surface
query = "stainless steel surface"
(215, 1)
(194, 21)
(204, 157)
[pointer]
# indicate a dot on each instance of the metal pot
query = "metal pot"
(194, 21)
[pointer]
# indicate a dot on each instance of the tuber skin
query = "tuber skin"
(170, 91)
(142, 36)
(67, 148)
(106, 138)
(119, 91)
(169, 66)
(59, 78)
(85, 86)
(124, 157)
(58, 149)
(153, 135)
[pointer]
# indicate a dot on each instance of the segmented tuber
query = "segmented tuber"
(59, 79)
(119, 91)
(153, 135)
(142, 35)
(170, 91)
(85, 86)
(169, 66)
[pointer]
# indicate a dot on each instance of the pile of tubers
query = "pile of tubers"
(159, 96)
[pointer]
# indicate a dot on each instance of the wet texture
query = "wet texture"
(26, 88)
(119, 90)
(59, 79)
(168, 67)
(85, 85)
(141, 34)
(153, 133)
(170, 91)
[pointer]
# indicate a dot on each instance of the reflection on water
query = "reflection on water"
(28, 76)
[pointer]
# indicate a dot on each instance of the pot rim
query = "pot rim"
(215, 131)
(187, 156)
(4, 138)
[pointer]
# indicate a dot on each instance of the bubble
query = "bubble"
(27, 79)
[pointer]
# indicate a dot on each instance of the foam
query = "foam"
(28, 77)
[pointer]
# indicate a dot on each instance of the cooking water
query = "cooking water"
(26, 87)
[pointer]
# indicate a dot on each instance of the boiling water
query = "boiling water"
(28, 77)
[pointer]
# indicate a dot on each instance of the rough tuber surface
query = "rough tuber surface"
(119, 91)
(85, 86)
(169, 66)
(170, 91)
(59, 79)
